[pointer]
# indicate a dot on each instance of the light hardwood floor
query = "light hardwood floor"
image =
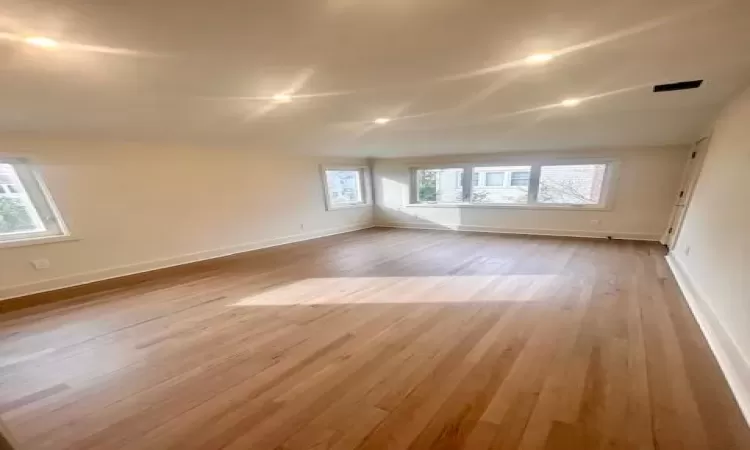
(378, 339)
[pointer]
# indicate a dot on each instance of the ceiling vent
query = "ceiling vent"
(679, 86)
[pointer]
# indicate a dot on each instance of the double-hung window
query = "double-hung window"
(345, 187)
(579, 184)
(26, 209)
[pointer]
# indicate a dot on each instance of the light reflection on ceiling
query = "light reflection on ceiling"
(331, 74)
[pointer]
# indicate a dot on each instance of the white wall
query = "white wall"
(646, 183)
(712, 253)
(137, 207)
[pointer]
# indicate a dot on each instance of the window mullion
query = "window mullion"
(468, 183)
(413, 186)
(364, 185)
(534, 184)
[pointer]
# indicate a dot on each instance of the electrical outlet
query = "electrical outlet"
(596, 222)
(302, 227)
(687, 250)
(40, 264)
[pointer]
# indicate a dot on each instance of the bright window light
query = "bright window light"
(26, 211)
(500, 185)
(579, 183)
(439, 185)
(345, 187)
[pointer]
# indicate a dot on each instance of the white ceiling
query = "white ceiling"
(450, 72)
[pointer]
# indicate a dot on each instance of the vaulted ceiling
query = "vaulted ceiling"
(451, 75)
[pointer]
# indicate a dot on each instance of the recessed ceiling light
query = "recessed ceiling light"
(539, 58)
(41, 41)
(282, 98)
(382, 120)
(570, 102)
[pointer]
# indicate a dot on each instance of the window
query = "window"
(494, 179)
(571, 184)
(439, 185)
(495, 186)
(345, 187)
(26, 211)
(579, 184)
(520, 179)
(9, 189)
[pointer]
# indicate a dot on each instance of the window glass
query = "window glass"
(439, 185)
(25, 211)
(520, 179)
(496, 190)
(532, 184)
(571, 184)
(495, 179)
(344, 187)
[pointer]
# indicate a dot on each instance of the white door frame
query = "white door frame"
(689, 181)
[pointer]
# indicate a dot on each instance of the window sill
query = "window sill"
(498, 206)
(359, 205)
(37, 241)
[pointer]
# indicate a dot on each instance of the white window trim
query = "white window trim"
(39, 241)
(606, 199)
(364, 182)
(40, 196)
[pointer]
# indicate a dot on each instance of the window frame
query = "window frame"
(364, 183)
(611, 174)
(41, 201)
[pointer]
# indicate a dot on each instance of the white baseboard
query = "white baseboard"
(115, 272)
(735, 366)
(530, 231)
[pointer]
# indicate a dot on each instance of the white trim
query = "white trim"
(690, 176)
(40, 240)
(511, 206)
(530, 231)
(350, 206)
(131, 269)
(729, 355)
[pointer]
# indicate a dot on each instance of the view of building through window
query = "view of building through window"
(501, 184)
(344, 187)
(17, 212)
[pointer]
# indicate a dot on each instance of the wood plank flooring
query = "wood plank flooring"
(379, 339)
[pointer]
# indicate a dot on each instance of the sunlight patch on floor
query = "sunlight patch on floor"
(407, 290)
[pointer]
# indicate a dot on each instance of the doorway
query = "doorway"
(689, 181)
